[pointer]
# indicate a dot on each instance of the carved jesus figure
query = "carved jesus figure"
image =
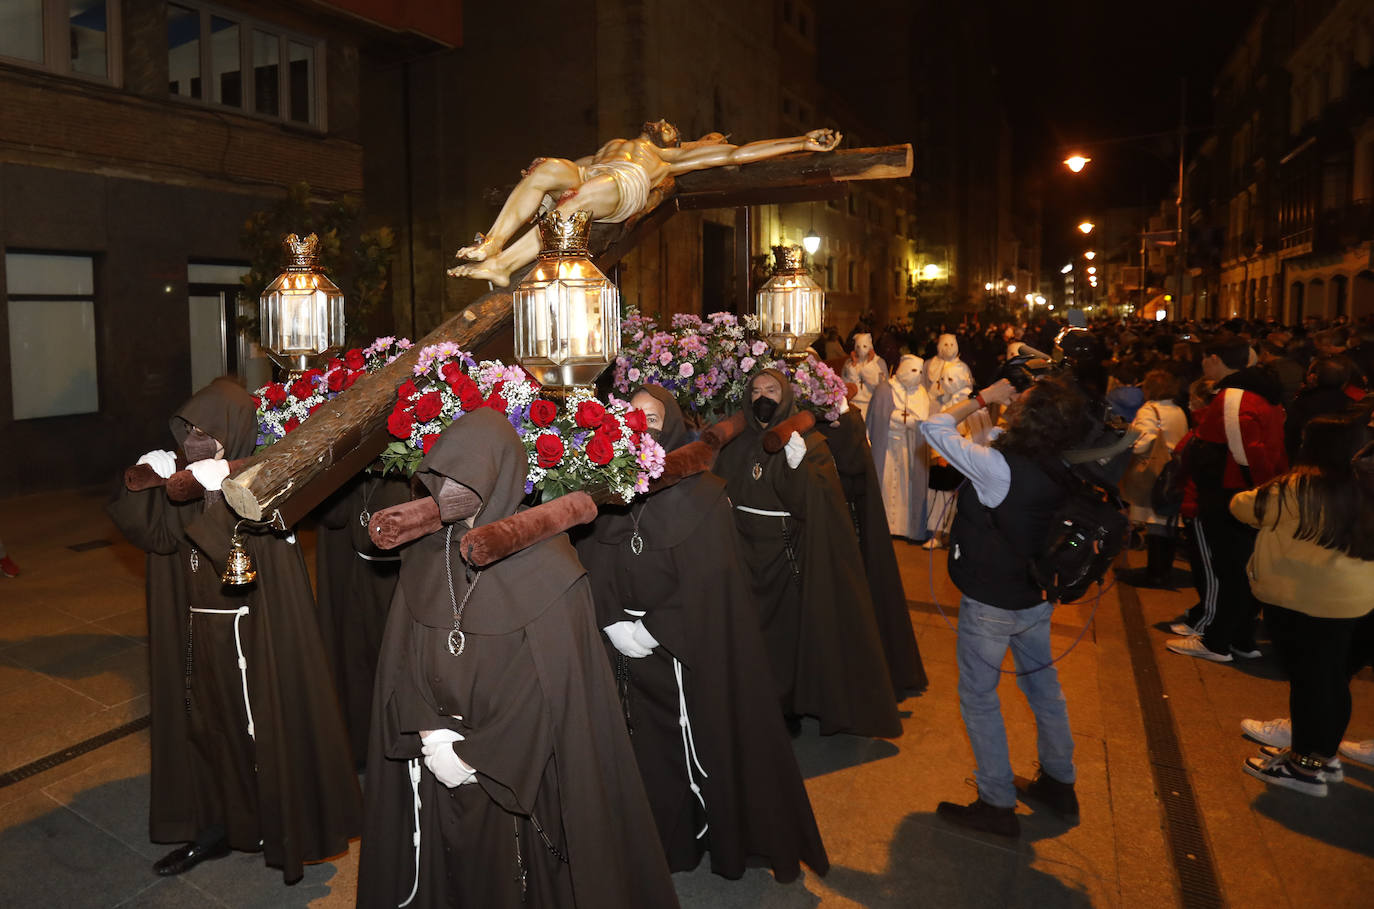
(612, 184)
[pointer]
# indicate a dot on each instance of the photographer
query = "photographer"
(999, 526)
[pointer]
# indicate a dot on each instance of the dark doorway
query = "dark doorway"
(717, 267)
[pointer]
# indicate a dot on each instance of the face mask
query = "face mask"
(764, 408)
(199, 446)
(656, 435)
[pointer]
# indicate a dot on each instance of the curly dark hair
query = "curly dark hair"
(1050, 418)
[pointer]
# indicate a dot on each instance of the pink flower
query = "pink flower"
(665, 358)
(634, 374)
(747, 364)
(685, 370)
(759, 348)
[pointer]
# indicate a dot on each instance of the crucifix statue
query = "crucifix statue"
(613, 184)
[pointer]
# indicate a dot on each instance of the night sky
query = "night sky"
(1075, 71)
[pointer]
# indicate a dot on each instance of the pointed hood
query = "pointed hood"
(481, 451)
(225, 411)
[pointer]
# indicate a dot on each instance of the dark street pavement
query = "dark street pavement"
(1168, 817)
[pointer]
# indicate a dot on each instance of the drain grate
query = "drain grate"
(89, 545)
(58, 758)
(1184, 830)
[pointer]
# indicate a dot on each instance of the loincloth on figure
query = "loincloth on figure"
(631, 183)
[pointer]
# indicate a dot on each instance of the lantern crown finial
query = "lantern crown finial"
(788, 259)
(561, 235)
(304, 253)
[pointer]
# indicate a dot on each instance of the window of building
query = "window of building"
(252, 66)
(51, 303)
(69, 37)
(853, 202)
(850, 283)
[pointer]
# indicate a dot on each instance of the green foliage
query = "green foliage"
(359, 262)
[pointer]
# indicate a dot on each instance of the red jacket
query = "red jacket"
(1247, 418)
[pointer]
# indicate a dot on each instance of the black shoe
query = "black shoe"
(981, 816)
(1051, 793)
(793, 725)
(184, 858)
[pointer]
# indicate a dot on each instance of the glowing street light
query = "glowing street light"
(811, 242)
(1092, 269)
(930, 272)
(1066, 269)
(1039, 299)
(1086, 227)
(987, 286)
(1090, 255)
(1011, 288)
(1076, 163)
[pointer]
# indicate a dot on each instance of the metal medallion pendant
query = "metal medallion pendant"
(456, 642)
(195, 561)
(758, 470)
(636, 543)
(364, 517)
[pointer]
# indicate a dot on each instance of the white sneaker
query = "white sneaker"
(1243, 653)
(1278, 733)
(1359, 752)
(1332, 771)
(1184, 629)
(1194, 647)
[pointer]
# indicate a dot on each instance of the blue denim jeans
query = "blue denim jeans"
(985, 633)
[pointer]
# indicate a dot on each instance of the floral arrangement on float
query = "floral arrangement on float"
(575, 443)
(282, 406)
(708, 363)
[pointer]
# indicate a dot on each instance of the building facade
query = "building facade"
(136, 136)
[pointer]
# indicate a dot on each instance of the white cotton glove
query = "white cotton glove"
(622, 635)
(795, 450)
(164, 463)
(447, 767)
(642, 636)
(209, 473)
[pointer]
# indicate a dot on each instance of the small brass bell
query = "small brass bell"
(238, 568)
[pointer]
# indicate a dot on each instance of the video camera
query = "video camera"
(1027, 368)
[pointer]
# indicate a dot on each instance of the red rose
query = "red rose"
(427, 441)
(549, 448)
(600, 450)
(429, 406)
(290, 424)
(406, 391)
(257, 402)
(542, 412)
(316, 406)
(275, 394)
(334, 363)
(496, 402)
(354, 358)
(302, 389)
(637, 421)
(589, 414)
(610, 428)
(470, 396)
(353, 377)
(400, 423)
(336, 380)
(451, 370)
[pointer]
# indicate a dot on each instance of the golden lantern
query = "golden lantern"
(302, 311)
(567, 313)
(790, 306)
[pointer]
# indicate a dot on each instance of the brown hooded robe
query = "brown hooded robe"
(848, 441)
(688, 581)
(814, 606)
(356, 581)
(288, 789)
(555, 803)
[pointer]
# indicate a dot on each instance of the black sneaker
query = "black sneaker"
(981, 816)
(1045, 790)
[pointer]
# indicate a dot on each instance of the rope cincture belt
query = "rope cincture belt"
(238, 615)
(765, 513)
(689, 745)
